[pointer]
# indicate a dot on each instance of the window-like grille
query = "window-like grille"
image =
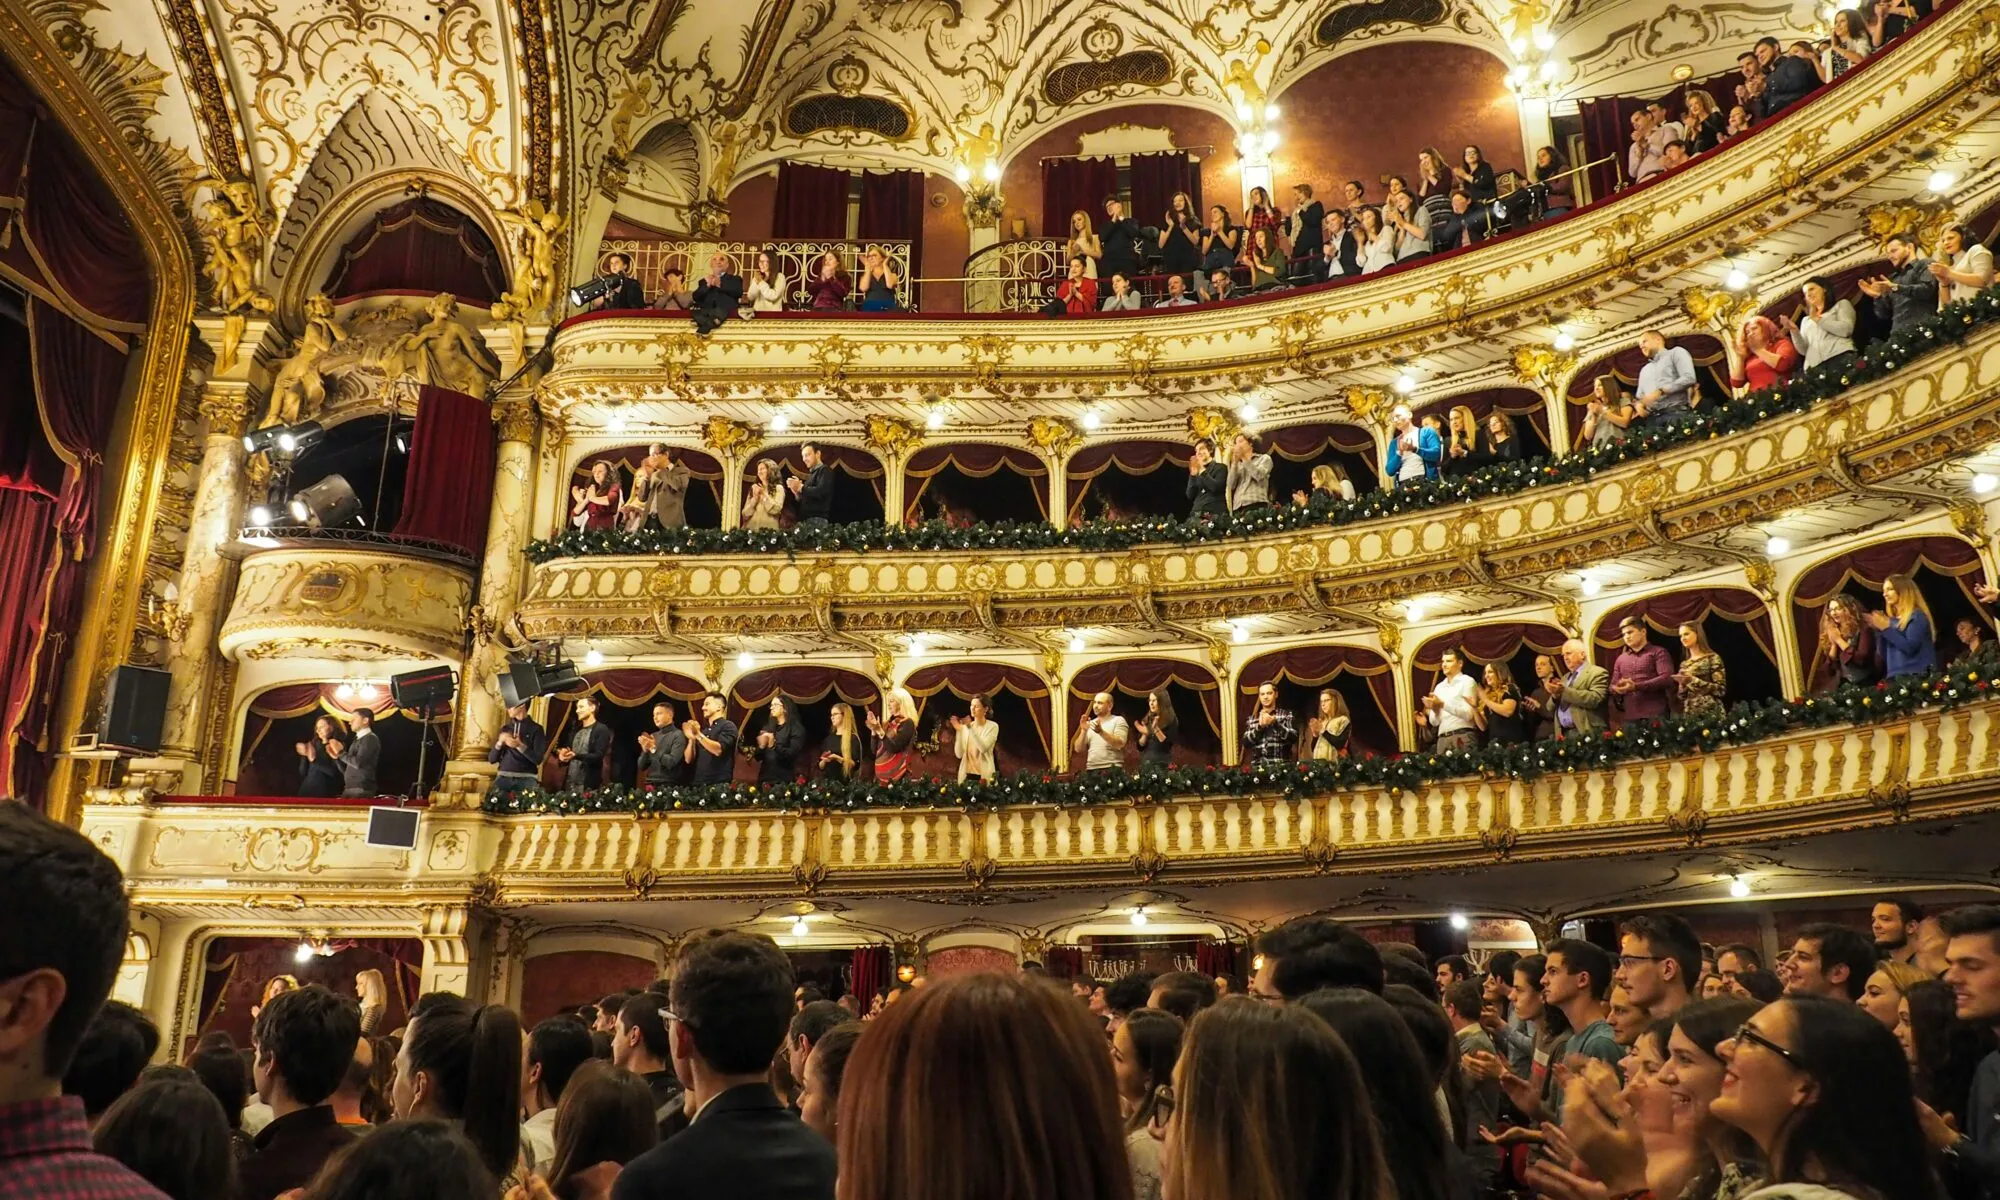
(1353, 18)
(869, 114)
(1139, 68)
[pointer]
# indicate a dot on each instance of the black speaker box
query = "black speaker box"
(425, 686)
(135, 707)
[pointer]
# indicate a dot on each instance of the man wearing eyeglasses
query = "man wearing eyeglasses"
(1577, 980)
(1659, 960)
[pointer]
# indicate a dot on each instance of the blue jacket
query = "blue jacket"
(1910, 650)
(1430, 448)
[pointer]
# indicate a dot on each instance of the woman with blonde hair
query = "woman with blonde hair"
(1705, 123)
(1882, 996)
(894, 732)
(1084, 244)
(1328, 731)
(1269, 1105)
(1903, 629)
(1465, 448)
(1702, 679)
(841, 752)
(374, 995)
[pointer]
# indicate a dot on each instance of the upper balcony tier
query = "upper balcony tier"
(1781, 203)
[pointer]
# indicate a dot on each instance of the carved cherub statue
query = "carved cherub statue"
(298, 393)
(444, 352)
(233, 232)
(536, 229)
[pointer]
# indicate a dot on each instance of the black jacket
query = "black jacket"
(319, 776)
(1312, 231)
(779, 762)
(1120, 256)
(743, 1143)
(1915, 297)
(1791, 78)
(628, 294)
(816, 494)
(589, 744)
(1209, 492)
(526, 761)
(1345, 252)
(715, 768)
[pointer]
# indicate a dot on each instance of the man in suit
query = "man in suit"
(1787, 78)
(1910, 296)
(1342, 256)
(717, 296)
(1208, 485)
(1578, 693)
(666, 490)
(731, 1007)
(1306, 228)
(358, 758)
(815, 492)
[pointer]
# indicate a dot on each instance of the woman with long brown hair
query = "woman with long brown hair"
(605, 1119)
(1269, 1105)
(1328, 730)
(982, 1087)
(1157, 731)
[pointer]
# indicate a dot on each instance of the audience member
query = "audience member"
(1248, 477)
(1665, 391)
(116, 1047)
(731, 1000)
(1101, 735)
(1577, 981)
(1829, 960)
(604, 1121)
(675, 296)
(1903, 629)
(304, 1042)
(1894, 924)
(1306, 230)
(1452, 707)
(1309, 953)
(1415, 1144)
(826, 1068)
(1786, 80)
(462, 1064)
(1414, 450)
(1123, 298)
(1118, 238)
(1964, 267)
(828, 285)
(1659, 962)
(1766, 357)
(1339, 246)
(878, 282)
(174, 1134)
(1143, 1052)
(717, 295)
(1578, 693)
(356, 1103)
(1973, 955)
(1269, 732)
(408, 1160)
(556, 1048)
(1182, 993)
(1176, 296)
(1909, 294)
(1208, 484)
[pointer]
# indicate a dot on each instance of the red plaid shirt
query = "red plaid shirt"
(45, 1154)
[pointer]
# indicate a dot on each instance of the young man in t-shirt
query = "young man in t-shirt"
(1578, 981)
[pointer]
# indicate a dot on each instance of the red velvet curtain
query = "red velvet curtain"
(1669, 612)
(1063, 962)
(1139, 676)
(1315, 666)
(968, 679)
(1070, 185)
(1303, 443)
(872, 970)
(977, 462)
(1484, 644)
(1871, 565)
(28, 542)
(811, 203)
(75, 231)
(425, 245)
(448, 493)
(1607, 130)
(1212, 958)
(892, 209)
(1155, 179)
(803, 684)
(1132, 458)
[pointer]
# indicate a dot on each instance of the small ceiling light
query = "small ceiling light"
(1550, 69)
(745, 660)
(1248, 412)
(1517, 76)
(617, 423)
(992, 172)
(1984, 483)
(1737, 280)
(1239, 632)
(366, 692)
(1459, 922)
(344, 692)
(1270, 112)
(1591, 587)
(593, 658)
(1519, 46)
(1682, 72)
(1406, 383)
(917, 646)
(303, 954)
(1076, 643)
(1270, 140)
(1564, 343)
(260, 515)
(1139, 916)
(1774, 546)
(1092, 419)
(1243, 111)
(1257, 963)
(963, 175)
(934, 419)
(780, 421)
(800, 928)
(1940, 182)
(1413, 611)
(1739, 887)
(1545, 39)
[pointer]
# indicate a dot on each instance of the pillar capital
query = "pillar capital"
(516, 420)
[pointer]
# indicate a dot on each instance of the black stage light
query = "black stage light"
(584, 293)
(295, 438)
(257, 441)
(327, 504)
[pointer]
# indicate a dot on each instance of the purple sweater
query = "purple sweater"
(1652, 674)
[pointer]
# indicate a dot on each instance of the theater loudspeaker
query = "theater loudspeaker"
(394, 828)
(425, 687)
(135, 707)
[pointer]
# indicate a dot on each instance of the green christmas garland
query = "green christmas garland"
(1671, 738)
(1801, 392)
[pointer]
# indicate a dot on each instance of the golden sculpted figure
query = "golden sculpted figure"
(444, 352)
(298, 393)
(233, 233)
(536, 229)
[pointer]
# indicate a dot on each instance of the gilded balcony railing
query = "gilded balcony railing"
(795, 260)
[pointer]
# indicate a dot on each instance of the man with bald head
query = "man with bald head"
(1100, 736)
(1578, 692)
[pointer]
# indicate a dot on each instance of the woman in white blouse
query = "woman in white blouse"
(1084, 244)
(974, 739)
(765, 289)
(1378, 243)
(1827, 331)
(765, 504)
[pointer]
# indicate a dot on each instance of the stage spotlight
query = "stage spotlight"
(295, 438)
(257, 441)
(585, 293)
(328, 504)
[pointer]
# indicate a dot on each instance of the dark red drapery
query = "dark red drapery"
(1070, 185)
(448, 493)
(1139, 676)
(976, 461)
(804, 684)
(423, 244)
(1316, 666)
(1063, 962)
(1155, 179)
(892, 209)
(1303, 443)
(810, 204)
(871, 971)
(1212, 958)
(1483, 644)
(1669, 612)
(968, 679)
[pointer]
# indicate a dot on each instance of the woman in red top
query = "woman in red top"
(1768, 357)
(596, 505)
(1078, 293)
(894, 731)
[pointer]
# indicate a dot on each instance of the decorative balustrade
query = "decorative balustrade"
(1930, 763)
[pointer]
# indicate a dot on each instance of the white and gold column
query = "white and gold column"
(500, 574)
